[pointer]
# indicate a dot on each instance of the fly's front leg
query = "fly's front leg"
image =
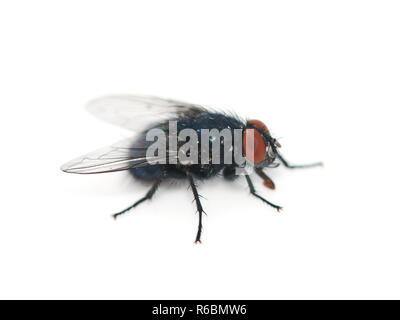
(254, 193)
(287, 165)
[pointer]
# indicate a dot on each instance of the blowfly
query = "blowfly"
(176, 140)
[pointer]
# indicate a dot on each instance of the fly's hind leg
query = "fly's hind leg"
(148, 196)
(254, 193)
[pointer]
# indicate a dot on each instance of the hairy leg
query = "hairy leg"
(148, 196)
(287, 165)
(200, 210)
(254, 193)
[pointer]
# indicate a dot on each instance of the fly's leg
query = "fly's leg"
(287, 165)
(200, 210)
(254, 193)
(267, 180)
(148, 196)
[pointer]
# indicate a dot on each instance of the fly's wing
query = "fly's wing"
(136, 113)
(122, 155)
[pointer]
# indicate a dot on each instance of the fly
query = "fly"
(181, 141)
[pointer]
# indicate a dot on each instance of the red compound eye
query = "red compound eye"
(259, 125)
(255, 153)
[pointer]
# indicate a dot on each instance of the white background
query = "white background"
(323, 75)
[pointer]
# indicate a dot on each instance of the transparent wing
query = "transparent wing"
(138, 112)
(117, 157)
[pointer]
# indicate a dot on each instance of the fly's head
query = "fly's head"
(259, 147)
